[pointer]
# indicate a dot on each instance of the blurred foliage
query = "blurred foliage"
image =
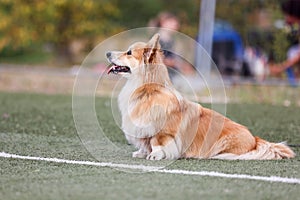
(27, 24)
(137, 13)
(254, 19)
(242, 14)
(280, 46)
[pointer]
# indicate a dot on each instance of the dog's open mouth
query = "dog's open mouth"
(117, 69)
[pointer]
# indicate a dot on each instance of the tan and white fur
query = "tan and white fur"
(162, 124)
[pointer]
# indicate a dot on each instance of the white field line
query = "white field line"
(156, 169)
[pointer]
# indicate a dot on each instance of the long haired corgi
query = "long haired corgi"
(162, 124)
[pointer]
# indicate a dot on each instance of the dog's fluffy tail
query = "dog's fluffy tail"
(264, 151)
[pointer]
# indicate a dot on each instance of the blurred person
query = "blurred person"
(168, 21)
(291, 10)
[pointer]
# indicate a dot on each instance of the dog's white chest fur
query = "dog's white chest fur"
(133, 128)
(124, 96)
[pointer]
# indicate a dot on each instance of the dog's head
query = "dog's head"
(139, 57)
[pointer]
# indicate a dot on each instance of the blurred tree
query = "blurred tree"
(24, 22)
(15, 31)
(239, 12)
(254, 21)
(280, 46)
(137, 13)
(187, 12)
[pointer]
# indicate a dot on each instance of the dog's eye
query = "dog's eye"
(128, 52)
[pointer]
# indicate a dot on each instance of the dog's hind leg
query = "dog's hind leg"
(231, 145)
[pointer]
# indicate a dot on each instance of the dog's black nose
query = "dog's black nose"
(108, 54)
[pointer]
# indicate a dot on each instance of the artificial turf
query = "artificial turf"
(42, 125)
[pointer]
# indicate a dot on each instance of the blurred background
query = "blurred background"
(42, 42)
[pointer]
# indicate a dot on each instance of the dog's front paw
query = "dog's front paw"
(139, 154)
(156, 155)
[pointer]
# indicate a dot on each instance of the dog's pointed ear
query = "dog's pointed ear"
(154, 42)
(153, 47)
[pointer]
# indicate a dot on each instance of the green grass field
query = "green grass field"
(43, 126)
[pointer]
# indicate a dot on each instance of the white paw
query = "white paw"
(139, 154)
(156, 155)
